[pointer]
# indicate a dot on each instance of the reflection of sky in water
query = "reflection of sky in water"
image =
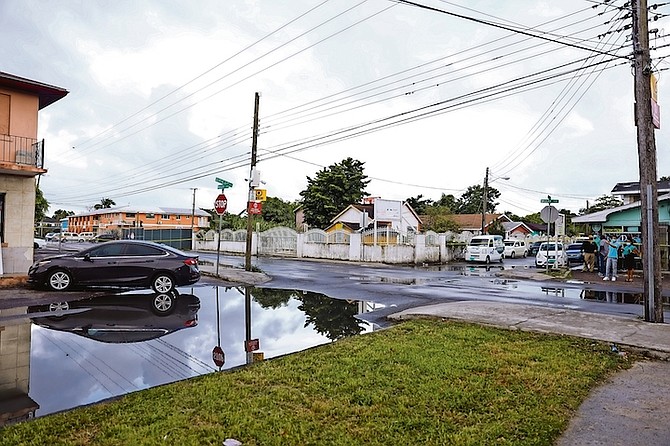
(67, 370)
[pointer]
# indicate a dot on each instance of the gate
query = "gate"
(279, 241)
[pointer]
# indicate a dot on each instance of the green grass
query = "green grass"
(420, 382)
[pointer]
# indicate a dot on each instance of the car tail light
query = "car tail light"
(191, 262)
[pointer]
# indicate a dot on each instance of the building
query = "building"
(630, 192)
(21, 161)
(473, 222)
(379, 213)
(126, 217)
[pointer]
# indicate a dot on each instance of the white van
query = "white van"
(485, 248)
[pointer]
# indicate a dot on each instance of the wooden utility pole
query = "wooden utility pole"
(485, 199)
(646, 146)
(252, 196)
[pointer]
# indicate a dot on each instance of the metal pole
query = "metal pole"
(218, 246)
(193, 217)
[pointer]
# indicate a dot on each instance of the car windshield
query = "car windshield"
(509, 243)
(575, 246)
(550, 247)
(479, 242)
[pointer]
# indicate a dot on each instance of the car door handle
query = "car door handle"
(112, 263)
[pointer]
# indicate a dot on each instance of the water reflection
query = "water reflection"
(120, 318)
(612, 297)
(79, 352)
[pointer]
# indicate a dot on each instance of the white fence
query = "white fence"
(384, 246)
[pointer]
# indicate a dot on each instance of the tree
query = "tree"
(279, 212)
(419, 204)
(331, 190)
(41, 205)
(105, 203)
(602, 203)
(448, 202)
(471, 200)
(437, 219)
(61, 213)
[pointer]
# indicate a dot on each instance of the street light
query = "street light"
(485, 196)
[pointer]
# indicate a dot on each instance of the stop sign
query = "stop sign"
(218, 356)
(220, 204)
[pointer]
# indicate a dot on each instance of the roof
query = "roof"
(370, 210)
(633, 188)
(153, 210)
(474, 221)
(601, 216)
(47, 94)
(510, 226)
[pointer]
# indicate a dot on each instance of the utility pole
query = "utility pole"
(193, 217)
(254, 145)
(485, 199)
(646, 146)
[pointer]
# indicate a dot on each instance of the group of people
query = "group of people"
(602, 253)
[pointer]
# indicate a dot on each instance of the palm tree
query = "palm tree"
(105, 203)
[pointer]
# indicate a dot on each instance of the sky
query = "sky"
(161, 97)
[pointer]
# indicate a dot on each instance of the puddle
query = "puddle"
(75, 353)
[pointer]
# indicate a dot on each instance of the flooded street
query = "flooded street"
(85, 351)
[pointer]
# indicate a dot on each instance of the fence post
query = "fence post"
(355, 246)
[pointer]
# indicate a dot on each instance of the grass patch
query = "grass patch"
(420, 382)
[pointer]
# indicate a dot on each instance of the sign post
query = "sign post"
(549, 214)
(220, 206)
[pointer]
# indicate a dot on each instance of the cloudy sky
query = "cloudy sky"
(162, 94)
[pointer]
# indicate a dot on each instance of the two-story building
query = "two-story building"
(128, 217)
(21, 161)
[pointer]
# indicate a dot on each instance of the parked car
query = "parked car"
(127, 263)
(50, 236)
(39, 243)
(575, 253)
(86, 236)
(120, 318)
(485, 248)
(105, 237)
(551, 253)
(533, 248)
(515, 248)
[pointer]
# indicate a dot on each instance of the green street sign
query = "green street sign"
(548, 200)
(223, 184)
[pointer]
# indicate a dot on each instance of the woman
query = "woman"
(629, 253)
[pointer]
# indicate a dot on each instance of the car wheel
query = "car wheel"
(488, 260)
(513, 254)
(525, 254)
(59, 306)
(163, 303)
(162, 283)
(59, 280)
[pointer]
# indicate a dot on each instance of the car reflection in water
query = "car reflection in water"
(120, 318)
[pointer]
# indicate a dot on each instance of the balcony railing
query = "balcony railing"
(22, 150)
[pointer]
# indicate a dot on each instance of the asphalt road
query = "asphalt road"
(398, 287)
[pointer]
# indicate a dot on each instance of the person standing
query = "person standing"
(612, 260)
(589, 249)
(602, 254)
(629, 253)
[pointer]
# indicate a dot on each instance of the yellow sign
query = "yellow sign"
(261, 194)
(654, 87)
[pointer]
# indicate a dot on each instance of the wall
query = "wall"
(17, 248)
(434, 249)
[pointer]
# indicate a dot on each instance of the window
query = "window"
(130, 215)
(112, 250)
(165, 216)
(150, 215)
(142, 250)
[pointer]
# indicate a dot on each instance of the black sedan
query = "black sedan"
(124, 263)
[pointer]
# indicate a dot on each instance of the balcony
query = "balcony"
(21, 156)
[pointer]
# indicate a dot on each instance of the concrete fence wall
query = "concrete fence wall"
(317, 244)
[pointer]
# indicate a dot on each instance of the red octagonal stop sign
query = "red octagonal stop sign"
(220, 204)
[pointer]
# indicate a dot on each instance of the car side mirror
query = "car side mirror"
(87, 257)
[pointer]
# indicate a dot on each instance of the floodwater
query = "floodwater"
(85, 351)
